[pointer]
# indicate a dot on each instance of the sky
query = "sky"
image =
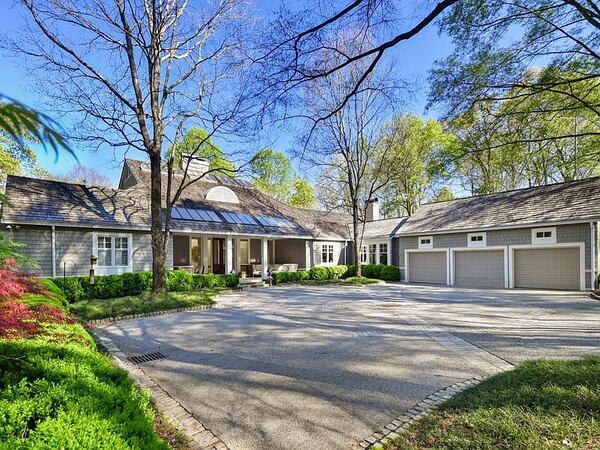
(412, 60)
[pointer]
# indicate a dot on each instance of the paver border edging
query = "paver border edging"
(391, 430)
(200, 437)
(148, 314)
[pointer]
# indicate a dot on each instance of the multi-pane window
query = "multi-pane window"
(476, 240)
(426, 242)
(327, 253)
(543, 235)
(363, 255)
(113, 251)
(104, 251)
(372, 253)
(383, 254)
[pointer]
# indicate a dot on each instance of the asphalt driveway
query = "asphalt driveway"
(304, 368)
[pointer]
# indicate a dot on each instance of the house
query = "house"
(220, 225)
(542, 237)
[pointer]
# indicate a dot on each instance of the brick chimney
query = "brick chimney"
(198, 166)
(372, 210)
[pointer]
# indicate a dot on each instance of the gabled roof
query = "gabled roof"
(575, 201)
(45, 202)
(383, 228)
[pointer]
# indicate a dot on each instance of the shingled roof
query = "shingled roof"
(36, 201)
(383, 228)
(575, 201)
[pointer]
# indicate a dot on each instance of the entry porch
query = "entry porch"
(245, 255)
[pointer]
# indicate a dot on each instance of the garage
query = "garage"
(427, 267)
(547, 268)
(479, 268)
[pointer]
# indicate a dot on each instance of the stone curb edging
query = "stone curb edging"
(200, 437)
(391, 430)
(148, 314)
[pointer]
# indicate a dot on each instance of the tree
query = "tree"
(303, 194)
(272, 174)
(347, 143)
(497, 42)
(134, 73)
(84, 175)
(417, 146)
(443, 194)
(198, 143)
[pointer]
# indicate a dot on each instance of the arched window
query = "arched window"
(222, 194)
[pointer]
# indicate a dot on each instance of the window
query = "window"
(476, 240)
(372, 253)
(543, 235)
(425, 242)
(363, 255)
(222, 194)
(113, 250)
(327, 253)
(383, 258)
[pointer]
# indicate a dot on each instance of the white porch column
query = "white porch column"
(264, 256)
(377, 259)
(308, 259)
(228, 254)
(204, 252)
(238, 256)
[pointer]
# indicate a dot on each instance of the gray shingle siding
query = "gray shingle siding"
(518, 236)
(37, 243)
(73, 251)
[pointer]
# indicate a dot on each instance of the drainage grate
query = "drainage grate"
(146, 357)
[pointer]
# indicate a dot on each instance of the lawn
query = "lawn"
(142, 303)
(539, 405)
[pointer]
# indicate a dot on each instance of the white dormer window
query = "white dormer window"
(543, 235)
(425, 241)
(222, 194)
(476, 240)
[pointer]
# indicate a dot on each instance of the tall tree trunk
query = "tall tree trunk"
(357, 243)
(159, 254)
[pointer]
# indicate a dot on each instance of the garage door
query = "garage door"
(427, 267)
(480, 268)
(547, 268)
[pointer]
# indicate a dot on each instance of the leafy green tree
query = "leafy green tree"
(197, 142)
(417, 147)
(272, 174)
(443, 194)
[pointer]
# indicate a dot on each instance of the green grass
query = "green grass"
(353, 281)
(58, 391)
(142, 303)
(539, 405)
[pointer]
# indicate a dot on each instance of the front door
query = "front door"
(218, 254)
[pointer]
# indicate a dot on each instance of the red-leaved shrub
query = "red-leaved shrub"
(13, 284)
(17, 320)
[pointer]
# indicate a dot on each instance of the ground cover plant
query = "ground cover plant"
(142, 303)
(56, 389)
(541, 404)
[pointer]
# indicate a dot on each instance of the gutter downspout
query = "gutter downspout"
(594, 250)
(53, 251)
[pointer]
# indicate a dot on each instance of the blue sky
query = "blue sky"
(412, 60)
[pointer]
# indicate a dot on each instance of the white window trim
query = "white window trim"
(580, 245)
(222, 194)
(544, 240)
(113, 270)
(476, 244)
(324, 263)
(425, 246)
(379, 244)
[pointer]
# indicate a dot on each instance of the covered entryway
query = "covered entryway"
(427, 267)
(547, 268)
(479, 268)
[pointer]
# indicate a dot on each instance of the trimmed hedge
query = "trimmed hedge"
(323, 273)
(75, 289)
(336, 272)
(290, 277)
(319, 273)
(390, 273)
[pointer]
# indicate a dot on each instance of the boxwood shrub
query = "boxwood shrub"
(75, 289)
(338, 271)
(390, 273)
(319, 273)
(290, 277)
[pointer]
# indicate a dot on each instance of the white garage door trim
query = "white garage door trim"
(580, 245)
(502, 248)
(407, 253)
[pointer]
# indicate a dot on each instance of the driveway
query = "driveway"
(323, 367)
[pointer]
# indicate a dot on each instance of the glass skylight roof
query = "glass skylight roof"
(270, 221)
(236, 217)
(198, 215)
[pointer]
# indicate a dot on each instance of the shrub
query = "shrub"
(350, 272)
(13, 284)
(199, 282)
(107, 286)
(279, 277)
(303, 275)
(136, 282)
(390, 273)
(319, 273)
(338, 271)
(180, 281)
(72, 288)
(231, 280)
